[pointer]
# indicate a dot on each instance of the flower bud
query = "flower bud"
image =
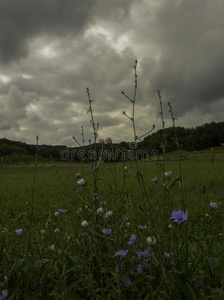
(85, 223)
(108, 141)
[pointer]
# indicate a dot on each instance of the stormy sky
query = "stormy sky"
(52, 50)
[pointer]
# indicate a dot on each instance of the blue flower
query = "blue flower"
(179, 216)
(4, 295)
(121, 266)
(213, 260)
(154, 179)
(96, 197)
(56, 214)
(79, 210)
(127, 281)
(213, 205)
(106, 231)
(19, 231)
(141, 267)
(132, 240)
(144, 253)
(142, 227)
(168, 255)
(82, 234)
(62, 211)
(122, 253)
(124, 218)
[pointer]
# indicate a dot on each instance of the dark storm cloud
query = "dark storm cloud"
(52, 50)
(188, 43)
(21, 21)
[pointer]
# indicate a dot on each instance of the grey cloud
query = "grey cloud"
(21, 21)
(179, 46)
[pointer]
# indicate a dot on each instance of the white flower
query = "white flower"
(52, 247)
(42, 231)
(108, 141)
(168, 174)
(85, 223)
(99, 211)
(151, 241)
(109, 213)
(81, 181)
(57, 230)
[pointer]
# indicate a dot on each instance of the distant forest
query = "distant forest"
(202, 137)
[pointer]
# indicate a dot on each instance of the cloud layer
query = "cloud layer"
(50, 51)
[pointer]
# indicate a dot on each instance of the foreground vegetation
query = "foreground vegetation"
(57, 256)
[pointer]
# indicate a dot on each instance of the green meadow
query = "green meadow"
(113, 237)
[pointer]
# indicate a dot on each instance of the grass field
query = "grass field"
(113, 236)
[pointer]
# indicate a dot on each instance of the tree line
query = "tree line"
(190, 139)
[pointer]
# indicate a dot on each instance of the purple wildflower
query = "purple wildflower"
(125, 219)
(103, 203)
(168, 255)
(144, 253)
(179, 216)
(56, 214)
(19, 231)
(213, 205)
(106, 231)
(121, 266)
(127, 281)
(79, 210)
(142, 227)
(141, 267)
(122, 253)
(213, 260)
(63, 211)
(4, 295)
(154, 179)
(78, 174)
(132, 240)
(82, 234)
(96, 197)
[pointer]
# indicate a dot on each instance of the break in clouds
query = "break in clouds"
(50, 51)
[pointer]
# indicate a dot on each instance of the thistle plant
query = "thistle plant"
(134, 145)
(95, 127)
